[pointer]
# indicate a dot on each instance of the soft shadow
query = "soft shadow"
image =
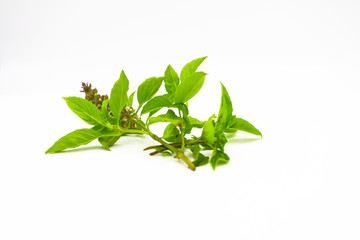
(243, 140)
(81, 149)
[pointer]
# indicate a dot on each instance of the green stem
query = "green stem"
(177, 144)
(179, 154)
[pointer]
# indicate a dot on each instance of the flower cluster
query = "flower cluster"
(92, 95)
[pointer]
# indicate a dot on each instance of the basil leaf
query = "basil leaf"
(239, 124)
(189, 87)
(74, 139)
(156, 104)
(221, 140)
(182, 107)
(118, 96)
(104, 110)
(225, 112)
(148, 88)
(190, 68)
(196, 122)
(131, 99)
(84, 109)
(107, 142)
(208, 132)
(219, 158)
(170, 116)
(172, 133)
(171, 79)
(201, 160)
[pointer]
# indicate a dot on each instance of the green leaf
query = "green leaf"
(74, 139)
(156, 103)
(170, 116)
(189, 87)
(104, 110)
(171, 79)
(221, 140)
(182, 107)
(148, 88)
(172, 133)
(225, 112)
(118, 96)
(218, 158)
(196, 122)
(201, 160)
(84, 109)
(190, 68)
(107, 142)
(208, 133)
(131, 99)
(239, 124)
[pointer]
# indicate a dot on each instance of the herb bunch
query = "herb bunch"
(116, 117)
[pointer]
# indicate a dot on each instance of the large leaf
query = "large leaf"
(118, 96)
(84, 109)
(239, 124)
(189, 87)
(225, 112)
(171, 79)
(170, 117)
(218, 158)
(74, 139)
(190, 68)
(156, 104)
(148, 88)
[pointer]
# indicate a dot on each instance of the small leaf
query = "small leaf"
(171, 79)
(196, 122)
(74, 139)
(221, 140)
(189, 87)
(84, 109)
(201, 160)
(182, 107)
(170, 116)
(239, 124)
(172, 133)
(131, 99)
(118, 96)
(225, 112)
(148, 89)
(156, 103)
(107, 142)
(208, 133)
(190, 68)
(218, 158)
(104, 110)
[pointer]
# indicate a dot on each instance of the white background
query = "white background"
(291, 69)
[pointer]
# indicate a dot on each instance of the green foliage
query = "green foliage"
(115, 117)
(74, 139)
(156, 103)
(189, 87)
(118, 96)
(239, 124)
(148, 89)
(170, 117)
(225, 111)
(171, 79)
(84, 109)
